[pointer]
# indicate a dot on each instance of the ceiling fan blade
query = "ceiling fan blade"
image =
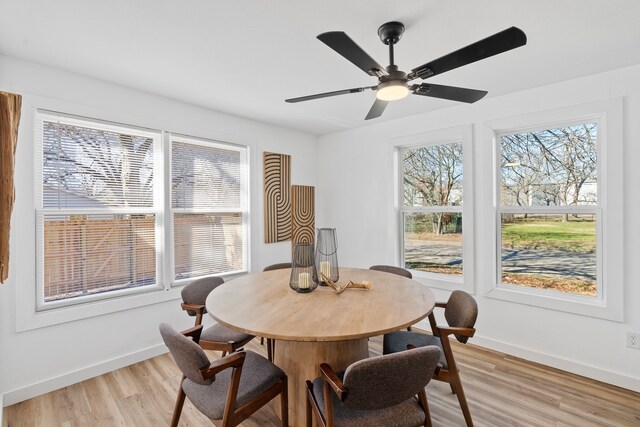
(345, 46)
(503, 41)
(328, 94)
(449, 92)
(376, 109)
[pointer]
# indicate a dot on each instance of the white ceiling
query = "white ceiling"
(245, 57)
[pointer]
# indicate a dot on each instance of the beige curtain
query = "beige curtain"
(10, 105)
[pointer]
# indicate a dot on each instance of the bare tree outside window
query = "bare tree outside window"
(97, 215)
(95, 166)
(549, 195)
(432, 191)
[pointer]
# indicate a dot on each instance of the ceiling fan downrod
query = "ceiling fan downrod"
(390, 33)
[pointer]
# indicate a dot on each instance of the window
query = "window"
(549, 208)
(433, 198)
(97, 209)
(209, 200)
(558, 209)
(111, 221)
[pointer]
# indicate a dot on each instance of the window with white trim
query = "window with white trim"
(209, 201)
(435, 205)
(102, 227)
(549, 208)
(558, 224)
(98, 202)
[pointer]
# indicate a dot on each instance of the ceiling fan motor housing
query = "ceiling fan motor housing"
(391, 32)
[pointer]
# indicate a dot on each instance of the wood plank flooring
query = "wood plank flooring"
(502, 391)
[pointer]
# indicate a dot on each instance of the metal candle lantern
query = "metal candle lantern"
(303, 270)
(327, 255)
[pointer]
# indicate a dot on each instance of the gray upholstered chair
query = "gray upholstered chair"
(228, 389)
(271, 344)
(392, 269)
(216, 337)
(279, 266)
(460, 312)
(378, 391)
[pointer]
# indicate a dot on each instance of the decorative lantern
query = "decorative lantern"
(327, 255)
(303, 270)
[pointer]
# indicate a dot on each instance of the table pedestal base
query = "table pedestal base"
(301, 362)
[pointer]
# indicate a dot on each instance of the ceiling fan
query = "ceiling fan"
(393, 84)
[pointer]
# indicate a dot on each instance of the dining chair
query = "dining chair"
(271, 344)
(216, 337)
(230, 389)
(460, 312)
(378, 391)
(279, 266)
(393, 270)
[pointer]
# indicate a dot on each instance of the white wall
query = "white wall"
(357, 197)
(43, 359)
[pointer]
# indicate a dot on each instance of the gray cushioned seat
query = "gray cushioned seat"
(407, 413)
(395, 342)
(221, 333)
(258, 374)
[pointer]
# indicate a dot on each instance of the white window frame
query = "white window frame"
(48, 116)
(609, 233)
(244, 193)
(459, 134)
(28, 318)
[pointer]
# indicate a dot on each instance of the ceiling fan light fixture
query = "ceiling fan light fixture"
(392, 91)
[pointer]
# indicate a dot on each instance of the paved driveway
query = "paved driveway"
(532, 261)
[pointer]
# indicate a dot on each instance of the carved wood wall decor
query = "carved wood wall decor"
(277, 197)
(304, 216)
(10, 108)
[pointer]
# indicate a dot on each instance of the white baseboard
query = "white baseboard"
(609, 377)
(599, 374)
(51, 384)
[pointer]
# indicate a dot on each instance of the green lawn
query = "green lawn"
(575, 236)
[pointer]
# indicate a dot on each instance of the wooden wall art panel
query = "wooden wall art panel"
(277, 197)
(304, 216)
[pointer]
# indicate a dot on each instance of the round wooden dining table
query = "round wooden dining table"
(320, 326)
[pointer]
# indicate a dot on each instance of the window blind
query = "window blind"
(97, 216)
(209, 202)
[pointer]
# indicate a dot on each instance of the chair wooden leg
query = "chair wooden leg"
(453, 389)
(459, 391)
(308, 399)
(269, 351)
(177, 410)
(422, 397)
(284, 402)
(262, 341)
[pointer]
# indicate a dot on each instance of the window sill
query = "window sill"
(440, 281)
(585, 306)
(32, 319)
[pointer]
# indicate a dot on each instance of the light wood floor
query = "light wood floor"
(502, 391)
